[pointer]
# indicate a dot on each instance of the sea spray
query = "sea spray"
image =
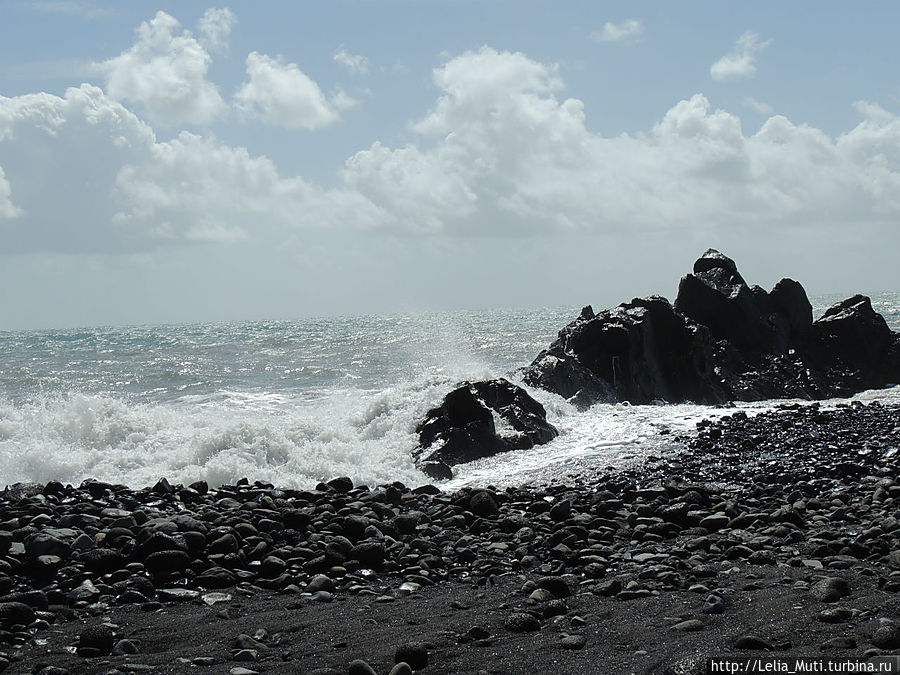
(293, 403)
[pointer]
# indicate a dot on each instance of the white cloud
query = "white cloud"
(215, 28)
(7, 208)
(759, 106)
(356, 64)
(88, 175)
(740, 61)
(872, 111)
(198, 188)
(61, 156)
(282, 94)
(500, 153)
(623, 32)
(165, 71)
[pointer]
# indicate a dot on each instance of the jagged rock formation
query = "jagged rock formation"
(463, 428)
(723, 340)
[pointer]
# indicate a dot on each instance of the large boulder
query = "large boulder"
(855, 344)
(463, 427)
(641, 352)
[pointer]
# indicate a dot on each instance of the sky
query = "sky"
(174, 162)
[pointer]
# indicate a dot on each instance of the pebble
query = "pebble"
(320, 582)
(834, 615)
(830, 589)
(689, 625)
(714, 604)
(886, 637)
(98, 639)
(573, 642)
(753, 642)
(521, 622)
(360, 667)
(125, 646)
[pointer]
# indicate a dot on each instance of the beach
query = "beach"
(771, 534)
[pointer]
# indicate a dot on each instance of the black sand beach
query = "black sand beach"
(770, 535)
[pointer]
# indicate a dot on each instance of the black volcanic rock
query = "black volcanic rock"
(642, 351)
(722, 340)
(717, 296)
(462, 428)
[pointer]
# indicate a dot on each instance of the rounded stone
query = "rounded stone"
(521, 622)
(887, 637)
(360, 667)
(99, 637)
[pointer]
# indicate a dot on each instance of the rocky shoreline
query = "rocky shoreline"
(722, 340)
(769, 534)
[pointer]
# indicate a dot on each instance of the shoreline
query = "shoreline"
(756, 511)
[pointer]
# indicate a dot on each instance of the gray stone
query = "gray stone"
(320, 582)
(689, 626)
(521, 622)
(13, 613)
(573, 642)
(360, 667)
(834, 615)
(753, 642)
(830, 589)
(99, 637)
(887, 637)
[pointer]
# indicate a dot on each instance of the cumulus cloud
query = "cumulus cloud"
(165, 71)
(740, 61)
(622, 32)
(198, 188)
(281, 94)
(215, 28)
(500, 152)
(88, 175)
(356, 64)
(7, 208)
(759, 106)
(61, 156)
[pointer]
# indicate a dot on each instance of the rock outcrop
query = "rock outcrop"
(463, 427)
(641, 351)
(723, 340)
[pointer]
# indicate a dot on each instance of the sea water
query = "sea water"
(297, 402)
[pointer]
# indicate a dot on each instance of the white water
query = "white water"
(294, 403)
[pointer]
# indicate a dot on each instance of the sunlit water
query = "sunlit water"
(297, 402)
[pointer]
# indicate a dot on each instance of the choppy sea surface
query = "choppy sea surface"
(297, 402)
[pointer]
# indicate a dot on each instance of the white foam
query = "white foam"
(612, 436)
(221, 438)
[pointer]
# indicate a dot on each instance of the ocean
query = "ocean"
(296, 402)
